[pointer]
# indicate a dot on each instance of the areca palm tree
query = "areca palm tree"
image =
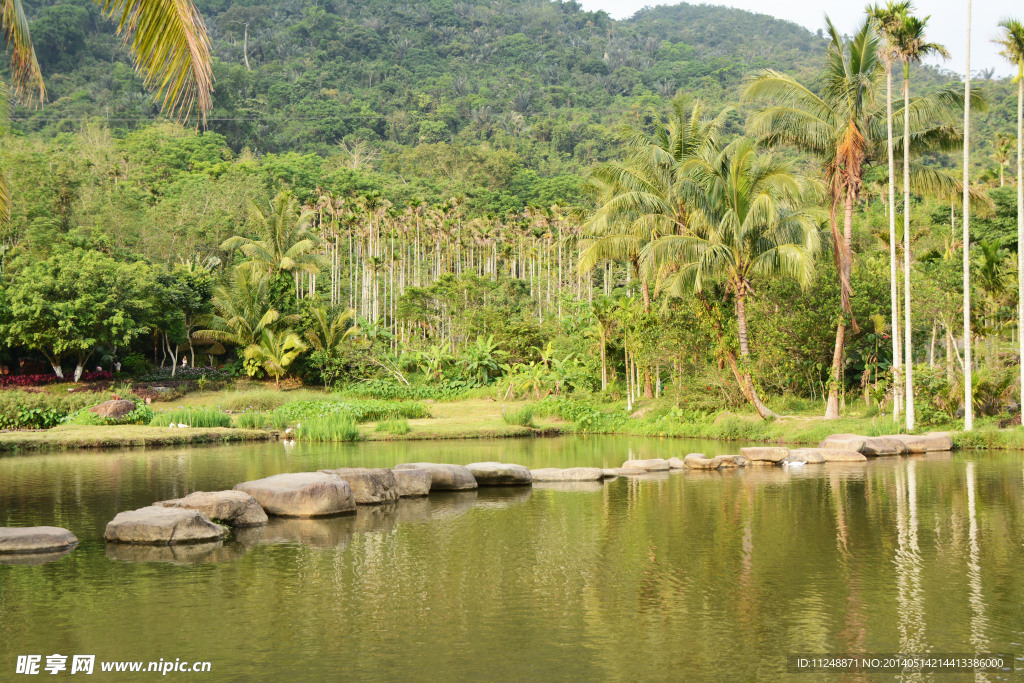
(274, 352)
(843, 127)
(284, 240)
(1012, 43)
(910, 46)
(747, 220)
(888, 20)
(167, 40)
(968, 380)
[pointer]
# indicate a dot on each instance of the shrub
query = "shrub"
(392, 391)
(39, 380)
(522, 416)
(395, 426)
(142, 415)
(333, 427)
(193, 417)
(360, 411)
(24, 410)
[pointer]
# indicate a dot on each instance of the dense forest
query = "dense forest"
(425, 193)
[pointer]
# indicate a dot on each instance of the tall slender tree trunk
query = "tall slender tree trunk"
(968, 384)
(906, 249)
(1020, 221)
(742, 374)
(897, 355)
(845, 267)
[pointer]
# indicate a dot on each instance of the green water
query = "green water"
(688, 576)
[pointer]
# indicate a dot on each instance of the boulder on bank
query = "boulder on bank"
(926, 443)
(444, 477)
(764, 454)
(234, 508)
(650, 465)
(156, 524)
(568, 474)
(675, 463)
(412, 483)
(35, 539)
(697, 461)
(370, 485)
(115, 409)
(301, 494)
(500, 474)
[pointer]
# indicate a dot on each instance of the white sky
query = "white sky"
(947, 24)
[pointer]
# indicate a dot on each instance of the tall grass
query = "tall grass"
(522, 416)
(193, 417)
(254, 400)
(335, 427)
(396, 426)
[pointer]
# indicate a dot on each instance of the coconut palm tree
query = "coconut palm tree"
(241, 310)
(888, 19)
(968, 384)
(284, 240)
(273, 353)
(330, 328)
(746, 220)
(167, 40)
(1012, 42)
(840, 126)
(910, 46)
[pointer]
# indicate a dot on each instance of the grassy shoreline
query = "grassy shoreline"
(67, 437)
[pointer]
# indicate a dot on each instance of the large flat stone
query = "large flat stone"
(568, 474)
(35, 539)
(762, 454)
(926, 443)
(883, 445)
(649, 465)
(444, 477)
(161, 525)
(675, 463)
(697, 461)
(843, 442)
(412, 483)
(301, 494)
(500, 474)
(370, 485)
(234, 508)
(815, 455)
(733, 461)
(806, 456)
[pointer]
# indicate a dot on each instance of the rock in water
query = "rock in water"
(500, 474)
(157, 524)
(35, 539)
(733, 461)
(805, 456)
(412, 483)
(926, 443)
(301, 494)
(444, 477)
(675, 463)
(234, 508)
(651, 465)
(764, 454)
(113, 409)
(697, 461)
(369, 485)
(820, 455)
(843, 442)
(568, 474)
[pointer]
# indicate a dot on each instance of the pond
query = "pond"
(691, 575)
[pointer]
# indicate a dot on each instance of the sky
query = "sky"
(947, 24)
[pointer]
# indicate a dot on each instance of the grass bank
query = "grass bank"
(123, 436)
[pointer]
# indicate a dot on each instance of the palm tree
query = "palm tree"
(330, 328)
(840, 127)
(242, 310)
(746, 220)
(968, 383)
(284, 239)
(1012, 42)
(910, 46)
(888, 19)
(167, 39)
(1001, 154)
(273, 353)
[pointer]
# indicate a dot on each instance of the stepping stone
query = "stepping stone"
(843, 442)
(733, 461)
(807, 456)
(412, 483)
(822, 455)
(500, 474)
(26, 540)
(234, 508)
(926, 443)
(697, 461)
(676, 463)
(651, 465)
(369, 485)
(301, 494)
(156, 524)
(568, 474)
(764, 454)
(444, 477)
